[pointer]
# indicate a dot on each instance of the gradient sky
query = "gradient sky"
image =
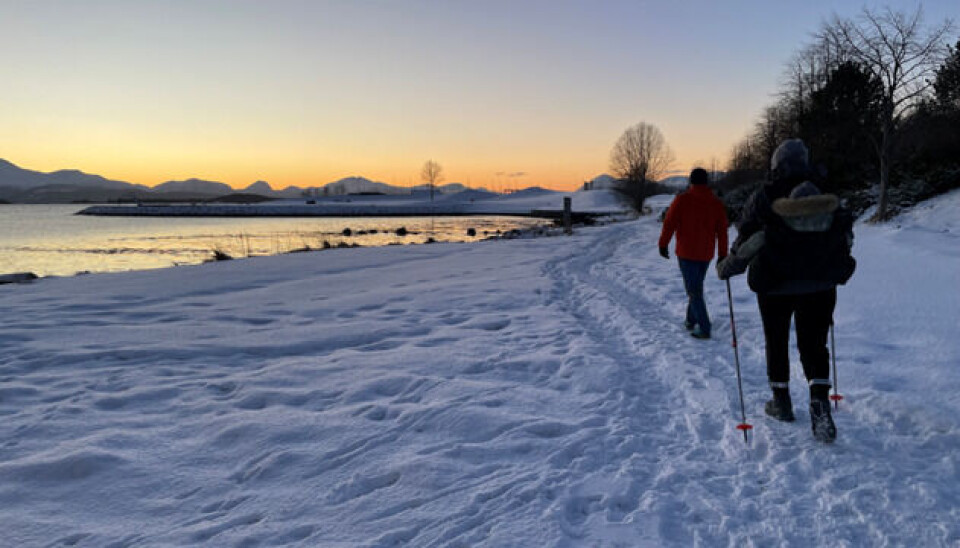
(500, 93)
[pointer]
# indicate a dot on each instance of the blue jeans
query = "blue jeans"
(693, 274)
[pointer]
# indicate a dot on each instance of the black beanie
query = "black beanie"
(699, 176)
(791, 161)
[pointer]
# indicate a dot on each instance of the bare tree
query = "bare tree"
(431, 174)
(640, 155)
(903, 55)
(807, 72)
(776, 125)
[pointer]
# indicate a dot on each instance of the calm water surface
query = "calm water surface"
(50, 240)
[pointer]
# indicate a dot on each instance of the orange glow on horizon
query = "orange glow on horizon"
(280, 177)
(307, 93)
(526, 158)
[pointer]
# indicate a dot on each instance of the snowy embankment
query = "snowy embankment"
(470, 202)
(516, 393)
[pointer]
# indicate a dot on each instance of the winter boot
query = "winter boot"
(780, 407)
(698, 333)
(689, 325)
(820, 418)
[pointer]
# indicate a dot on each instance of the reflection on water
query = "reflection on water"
(51, 240)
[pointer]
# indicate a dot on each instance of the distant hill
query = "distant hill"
(262, 188)
(608, 181)
(240, 198)
(531, 191)
(360, 185)
(65, 194)
(678, 181)
(195, 186)
(681, 181)
(603, 181)
(12, 176)
(449, 188)
(21, 185)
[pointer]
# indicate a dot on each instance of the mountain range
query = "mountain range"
(19, 185)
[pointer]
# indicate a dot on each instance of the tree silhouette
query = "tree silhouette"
(641, 155)
(947, 83)
(841, 125)
(902, 55)
(431, 174)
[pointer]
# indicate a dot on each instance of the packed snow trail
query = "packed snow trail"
(709, 488)
(526, 393)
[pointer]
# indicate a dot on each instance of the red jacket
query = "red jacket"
(699, 219)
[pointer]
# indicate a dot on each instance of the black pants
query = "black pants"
(813, 314)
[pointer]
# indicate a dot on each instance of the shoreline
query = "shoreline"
(333, 210)
(216, 255)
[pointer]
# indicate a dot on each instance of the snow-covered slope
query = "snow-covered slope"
(604, 181)
(514, 393)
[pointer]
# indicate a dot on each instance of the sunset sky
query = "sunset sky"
(500, 93)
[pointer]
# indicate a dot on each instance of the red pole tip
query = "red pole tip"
(744, 426)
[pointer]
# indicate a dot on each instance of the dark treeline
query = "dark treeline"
(877, 100)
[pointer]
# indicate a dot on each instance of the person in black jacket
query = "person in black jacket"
(796, 243)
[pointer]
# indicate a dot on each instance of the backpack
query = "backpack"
(823, 258)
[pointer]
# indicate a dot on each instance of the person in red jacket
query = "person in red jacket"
(700, 222)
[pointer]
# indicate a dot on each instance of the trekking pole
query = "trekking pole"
(736, 354)
(836, 397)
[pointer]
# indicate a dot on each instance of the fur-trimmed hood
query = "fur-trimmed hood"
(807, 213)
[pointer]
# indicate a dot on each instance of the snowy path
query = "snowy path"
(892, 478)
(523, 393)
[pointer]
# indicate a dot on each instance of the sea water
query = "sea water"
(50, 240)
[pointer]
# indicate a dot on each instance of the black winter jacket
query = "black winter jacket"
(792, 245)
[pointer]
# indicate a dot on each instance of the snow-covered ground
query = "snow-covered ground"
(513, 393)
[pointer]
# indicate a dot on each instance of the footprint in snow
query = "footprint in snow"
(359, 486)
(489, 324)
